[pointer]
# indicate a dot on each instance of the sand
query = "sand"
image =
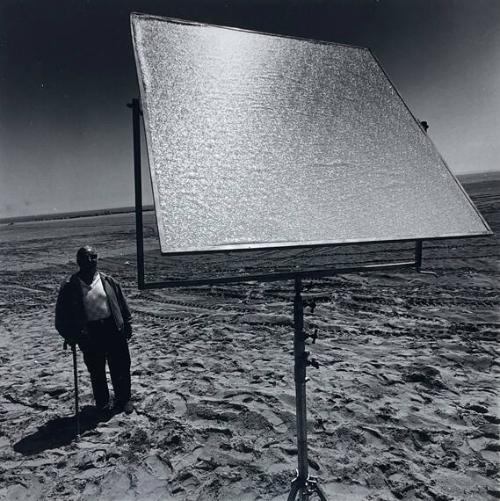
(403, 406)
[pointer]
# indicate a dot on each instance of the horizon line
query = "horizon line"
(471, 178)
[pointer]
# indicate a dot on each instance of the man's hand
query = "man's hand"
(127, 330)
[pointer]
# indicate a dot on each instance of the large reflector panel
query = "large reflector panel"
(257, 140)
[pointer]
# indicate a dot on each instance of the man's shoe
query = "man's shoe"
(125, 407)
(102, 411)
(103, 407)
(128, 408)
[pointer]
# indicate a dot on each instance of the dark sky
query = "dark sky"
(67, 70)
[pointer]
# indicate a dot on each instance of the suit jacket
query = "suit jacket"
(71, 318)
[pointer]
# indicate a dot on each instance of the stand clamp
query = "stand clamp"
(312, 362)
(313, 336)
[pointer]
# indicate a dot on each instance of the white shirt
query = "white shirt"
(95, 300)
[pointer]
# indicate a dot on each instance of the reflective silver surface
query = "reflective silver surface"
(257, 140)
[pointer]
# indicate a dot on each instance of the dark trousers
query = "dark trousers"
(106, 344)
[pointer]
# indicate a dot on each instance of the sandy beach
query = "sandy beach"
(403, 406)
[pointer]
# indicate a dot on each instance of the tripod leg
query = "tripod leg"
(320, 492)
(75, 376)
(293, 491)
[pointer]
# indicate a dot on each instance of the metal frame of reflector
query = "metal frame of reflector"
(303, 485)
(262, 277)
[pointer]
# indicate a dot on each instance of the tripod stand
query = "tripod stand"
(303, 485)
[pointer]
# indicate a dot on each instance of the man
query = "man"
(92, 312)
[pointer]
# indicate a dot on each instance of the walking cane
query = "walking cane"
(75, 376)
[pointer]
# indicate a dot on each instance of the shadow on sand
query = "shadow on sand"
(59, 432)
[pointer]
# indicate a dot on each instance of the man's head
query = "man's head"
(86, 258)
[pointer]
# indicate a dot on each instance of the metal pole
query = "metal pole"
(303, 485)
(418, 255)
(136, 131)
(300, 383)
(75, 376)
(273, 277)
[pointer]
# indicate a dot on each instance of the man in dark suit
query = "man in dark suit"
(91, 311)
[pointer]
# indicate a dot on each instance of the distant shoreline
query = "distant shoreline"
(479, 178)
(73, 215)
(465, 179)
